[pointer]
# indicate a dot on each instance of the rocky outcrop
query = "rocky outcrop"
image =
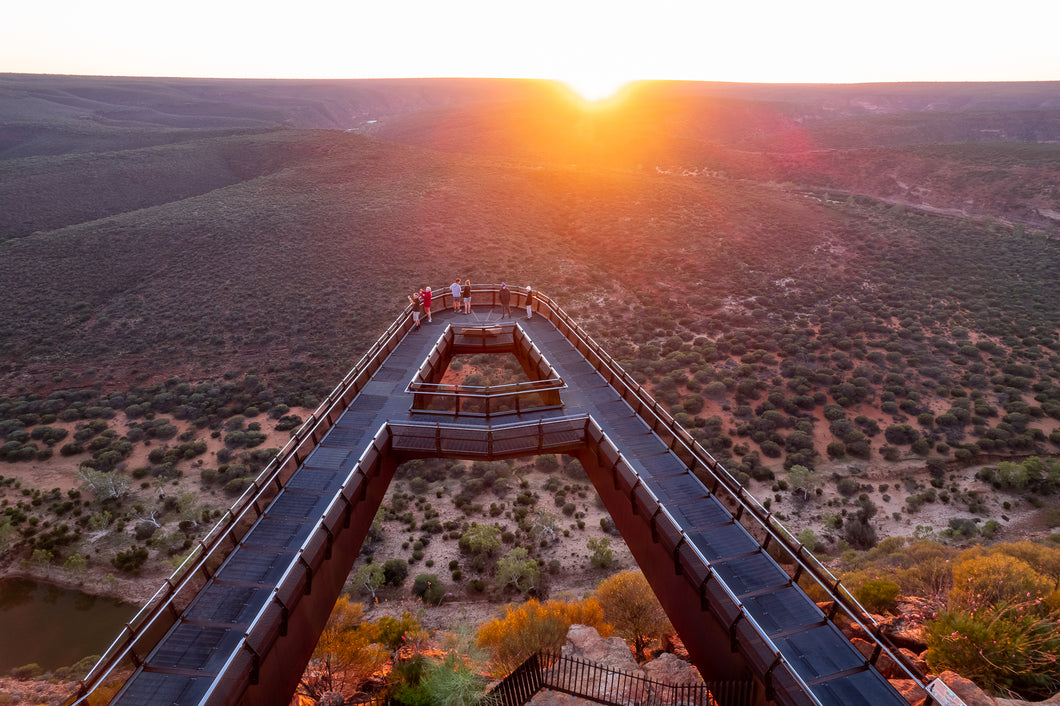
(584, 642)
(670, 669)
(627, 682)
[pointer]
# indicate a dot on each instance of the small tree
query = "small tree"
(369, 578)
(630, 606)
(600, 554)
(346, 655)
(518, 570)
(76, 565)
(803, 480)
(104, 485)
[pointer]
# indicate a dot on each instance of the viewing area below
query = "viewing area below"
(238, 621)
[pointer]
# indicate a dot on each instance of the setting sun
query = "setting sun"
(595, 87)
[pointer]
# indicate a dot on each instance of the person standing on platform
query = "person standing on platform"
(417, 308)
(506, 301)
(466, 292)
(529, 302)
(454, 288)
(425, 294)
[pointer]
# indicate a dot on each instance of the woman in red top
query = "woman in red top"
(425, 294)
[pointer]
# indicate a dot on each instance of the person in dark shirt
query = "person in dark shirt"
(506, 301)
(417, 308)
(466, 293)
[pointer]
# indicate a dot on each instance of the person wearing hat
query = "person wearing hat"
(506, 301)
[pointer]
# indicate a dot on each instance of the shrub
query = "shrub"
(236, 486)
(693, 404)
(145, 530)
(131, 560)
(546, 462)
(529, 627)
(430, 588)
(847, 486)
(1003, 648)
(395, 571)
(877, 595)
(600, 554)
(993, 579)
(27, 671)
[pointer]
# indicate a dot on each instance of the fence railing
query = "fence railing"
(431, 396)
(606, 685)
(551, 435)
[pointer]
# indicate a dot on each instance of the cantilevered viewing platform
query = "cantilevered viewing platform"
(239, 620)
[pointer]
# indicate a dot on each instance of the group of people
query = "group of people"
(461, 293)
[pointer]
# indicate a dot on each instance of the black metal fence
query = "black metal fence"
(604, 685)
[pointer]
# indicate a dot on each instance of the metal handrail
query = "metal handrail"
(440, 388)
(488, 435)
(492, 427)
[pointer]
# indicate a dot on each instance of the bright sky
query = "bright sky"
(589, 43)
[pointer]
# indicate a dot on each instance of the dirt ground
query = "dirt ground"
(62, 473)
(1020, 521)
(465, 608)
(577, 578)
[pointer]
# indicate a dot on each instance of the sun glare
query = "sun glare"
(595, 89)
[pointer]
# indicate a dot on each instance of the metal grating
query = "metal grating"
(192, 647)
(152, 688)
(278, 534)
(724, 542)
(233, 605)
(304, 506)
(315, 480)
(247, 566)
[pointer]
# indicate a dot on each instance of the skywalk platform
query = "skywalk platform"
(264, 581)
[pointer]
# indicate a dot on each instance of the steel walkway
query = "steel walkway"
(207, 635)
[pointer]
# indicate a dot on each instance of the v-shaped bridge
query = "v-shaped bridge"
(239, 620)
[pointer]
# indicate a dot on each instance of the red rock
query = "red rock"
(910, 691)
(971, 694)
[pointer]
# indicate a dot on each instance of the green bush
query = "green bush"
(395, 571)
(27, 671)
(236, 486)
(877, 595)
(131, 560)
(1007, 647)
(430, 588)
